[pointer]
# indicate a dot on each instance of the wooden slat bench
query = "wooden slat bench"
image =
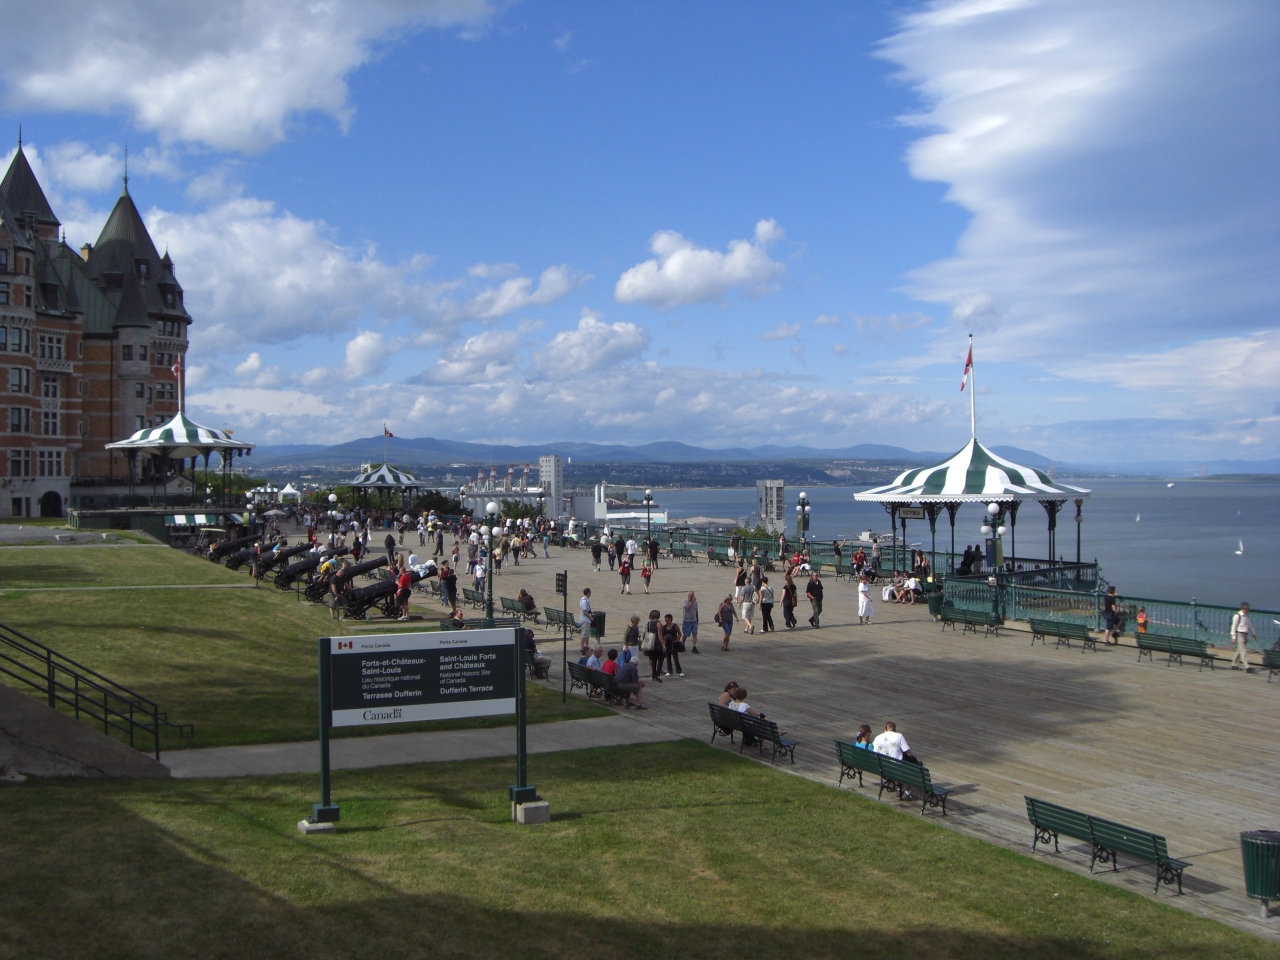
(855, 760)
(1271, 662)
(725, 722)
(1175, 647)
(895, 775)
(1064, 632)
(972, 620)
(1107, 839)
(517, 609)
(473, 597)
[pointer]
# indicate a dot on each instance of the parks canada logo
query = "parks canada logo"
(393, 714)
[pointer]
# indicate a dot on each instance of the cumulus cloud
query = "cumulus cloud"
(1117, 160)
(485, 357)
(783, 331)
(230, 75)
(892, 325)
(252, 371)
(594, 346)
(827, 320)
(683, 273)
(519, 293)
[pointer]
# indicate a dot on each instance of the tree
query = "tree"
(517, 509)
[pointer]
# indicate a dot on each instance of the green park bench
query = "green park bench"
(557, 619)
(844, 569)
(516, 608)
(477, 623)
(715, 555)
(895, 775)
(758, 730)
(579, 676)
(971, 620)
(1107, 838)
(536, 672)
(681, 551)
(473, 597)
(1175, 647)
(1063, 631)
(1271, 662)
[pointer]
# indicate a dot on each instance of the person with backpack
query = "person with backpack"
(725, 617)
(652, 644)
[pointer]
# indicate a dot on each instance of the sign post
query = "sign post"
(562, 588)
(407, 677)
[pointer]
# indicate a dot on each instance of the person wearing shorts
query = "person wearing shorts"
(690, 626)
(725, 617)
(584, 618)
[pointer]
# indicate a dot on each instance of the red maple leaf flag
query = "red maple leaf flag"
(968, 365)
(176, 369)
(386, 432)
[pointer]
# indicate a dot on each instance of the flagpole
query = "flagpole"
(973, 399)
(384, 441)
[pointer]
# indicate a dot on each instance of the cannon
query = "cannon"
(287, 575)
(224, 547)
(356, 604)
(270, 560)
(240, 558)
(318, 588)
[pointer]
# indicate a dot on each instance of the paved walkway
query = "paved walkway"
(350, 753)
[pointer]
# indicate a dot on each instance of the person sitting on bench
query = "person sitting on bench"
(627, 682)
(610, 664)
(593, 661)
(726, 698)
(863, 740)
(524, 599)
(541, 664)
(894, 745)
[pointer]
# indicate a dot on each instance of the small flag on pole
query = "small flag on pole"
(968, 365)
(176, 369)
(386, 432)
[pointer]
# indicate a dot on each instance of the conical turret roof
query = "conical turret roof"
(132, 311)
(22, 190)
(124, 238)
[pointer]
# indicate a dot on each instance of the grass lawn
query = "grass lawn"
(667, 850)
(239, 664)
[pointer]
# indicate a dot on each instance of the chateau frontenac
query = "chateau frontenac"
(94, 342)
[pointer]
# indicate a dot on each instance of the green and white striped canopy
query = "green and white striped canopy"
(974, 474)
(181, 438)
(385, 477)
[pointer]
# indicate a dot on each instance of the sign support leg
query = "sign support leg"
(522, 792)
(326, 811)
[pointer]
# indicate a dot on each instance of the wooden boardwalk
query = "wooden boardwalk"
(1191, 754)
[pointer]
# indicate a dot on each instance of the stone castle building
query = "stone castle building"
(94, 342)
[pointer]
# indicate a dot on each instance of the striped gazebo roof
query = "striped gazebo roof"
(385, 477)
(974, 474)
(181, 438)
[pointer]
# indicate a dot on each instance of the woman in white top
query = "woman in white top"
(864, 600)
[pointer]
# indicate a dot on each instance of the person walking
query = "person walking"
(654, 549)
(864, 600)
(814, 592)
(652, 644)
(690, 625)
(390, 544)
(596, 552)
(748, 609)
(646, 574)
(766, 606)
(739, 580)
(584, 619)
(789, 603)
(1110, 617)
(673, 643)
(725, 617)
(624, 571)
(756, 576)
(1241, 630)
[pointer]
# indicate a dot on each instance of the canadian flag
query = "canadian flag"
(176, 369)
(968, 365)
(345, 644)
(386, 432)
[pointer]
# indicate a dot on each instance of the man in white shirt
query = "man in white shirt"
(584, 618)
(1241, 630)
(893, 744)
(631, 551)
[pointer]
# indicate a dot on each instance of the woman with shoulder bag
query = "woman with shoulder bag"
(652, 645)
(674, 642)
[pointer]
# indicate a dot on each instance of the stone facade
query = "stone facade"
(94, 344)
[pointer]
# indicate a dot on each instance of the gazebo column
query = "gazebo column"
(951, 557)
(931, 511)
(892, 510)
(1051, 507)
(1013, 532)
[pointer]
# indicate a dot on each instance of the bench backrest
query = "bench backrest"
(858, 757)
(725, 718)
(1059, 819)
(1271, 658)
(900, 771)
(1130, 840)
(579, 672)
(472, 594)
(1059, 628)
(1182, 645)
(759, 727)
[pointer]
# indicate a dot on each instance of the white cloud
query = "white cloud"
(487, 356)
(366, 354)
(254, 405)
(488, 270)
(682, 273)
(254, 372)
(519, 293)
(77, 167)
(840, 349)
(594, 346)
(827, 320)
(1117, 160)
(230, 75)
(783, 331)
(892, 325)
(563, 41)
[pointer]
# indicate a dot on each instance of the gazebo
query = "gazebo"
(385, 478)
(974, 475)
(179, 439)
(290, 492)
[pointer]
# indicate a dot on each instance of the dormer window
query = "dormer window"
(114, 281)
(142, 266)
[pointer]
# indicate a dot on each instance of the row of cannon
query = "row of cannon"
(355, 602)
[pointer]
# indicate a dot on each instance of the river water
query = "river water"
(1151, 539)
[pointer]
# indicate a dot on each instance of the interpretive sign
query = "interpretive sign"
(404, 677)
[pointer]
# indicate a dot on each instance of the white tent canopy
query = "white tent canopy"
(975, 474)
(290, 492)
(385, 477)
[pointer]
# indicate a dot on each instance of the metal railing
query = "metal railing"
(92, 698)
(1193, 620)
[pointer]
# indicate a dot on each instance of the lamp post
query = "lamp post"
(1079, 520)
(648, 515)
(491, 511)
(333, 518)
(803, 509)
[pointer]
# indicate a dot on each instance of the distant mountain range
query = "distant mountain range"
(430, 451)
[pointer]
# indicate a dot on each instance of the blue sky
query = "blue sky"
(721, 224)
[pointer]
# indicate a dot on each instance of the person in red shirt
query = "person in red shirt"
(610, 666)
(624, 571)
(403, 583)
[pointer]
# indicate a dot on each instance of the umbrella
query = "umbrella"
(275, 513)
